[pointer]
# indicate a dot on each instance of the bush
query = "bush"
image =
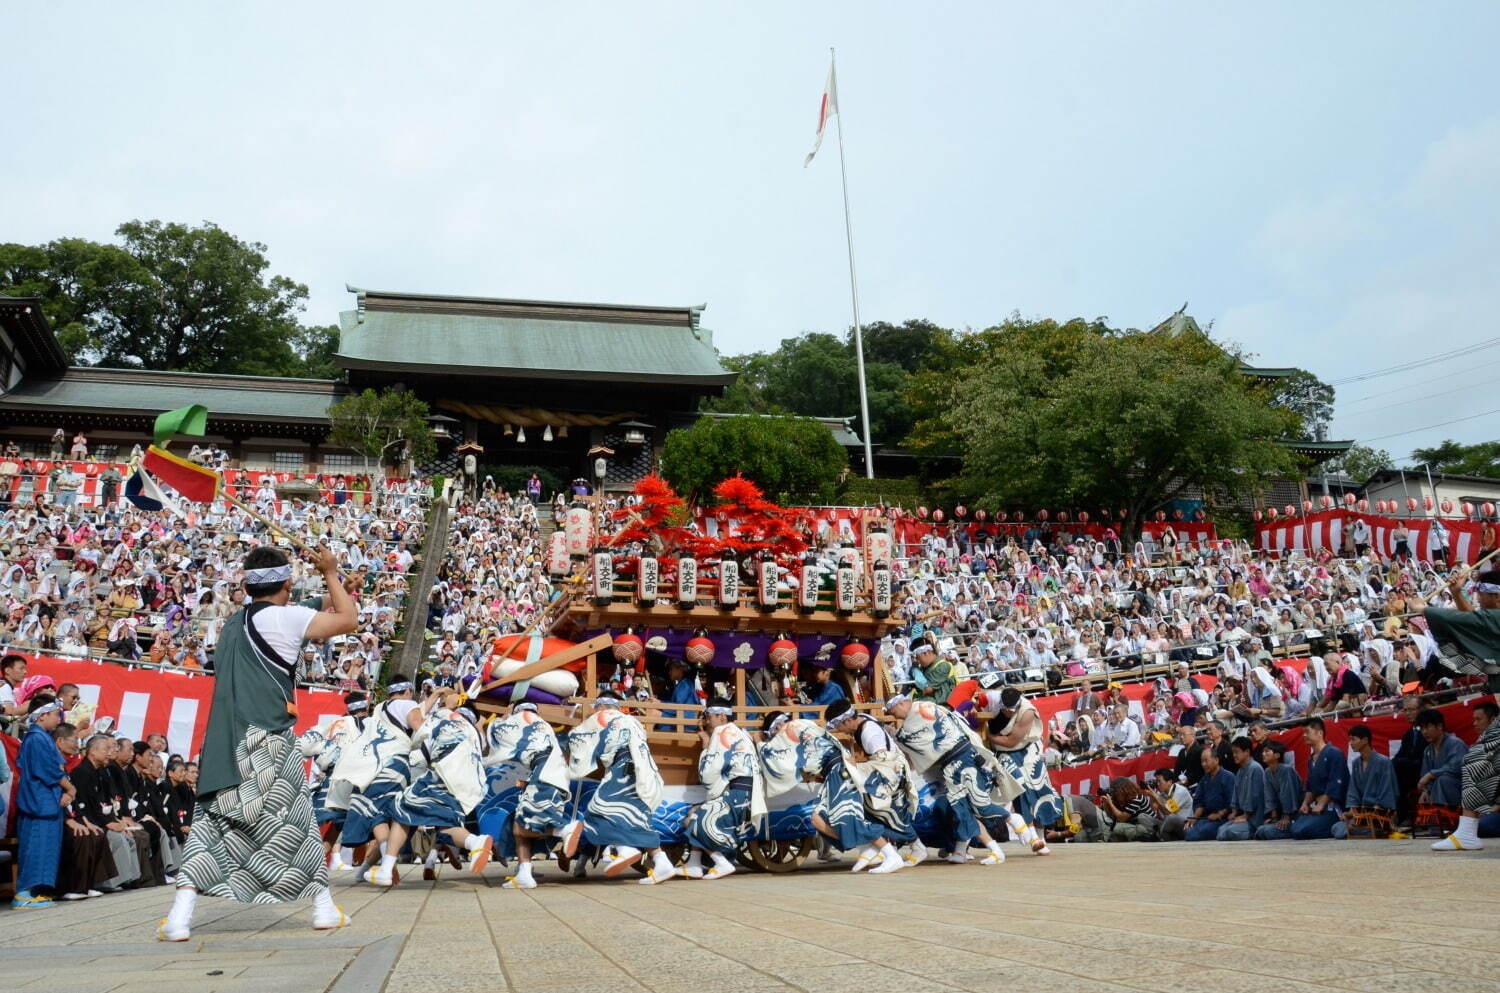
(790, 458)
(905, 492)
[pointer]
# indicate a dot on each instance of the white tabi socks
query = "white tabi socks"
(1464, 839)
(343, 859)
(326, 914)
(694, 867)
(890, 861)
(522, 880)
(1027, 834)
(996, 855)
(722, 867)
(867, 858)
(177, 925)
(916, 853)
(661, 869)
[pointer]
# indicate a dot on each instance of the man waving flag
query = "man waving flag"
(826, 109)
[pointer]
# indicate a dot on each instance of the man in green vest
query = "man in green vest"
(254, 838)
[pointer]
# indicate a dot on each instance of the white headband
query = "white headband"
(273, 574)
(780, 720)
(398, 688)
(46, 708)
(721, 711)
(528, 706)
(898, 698)
(356, 706)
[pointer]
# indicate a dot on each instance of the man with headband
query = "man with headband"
(254, 839)
(526, 739)
(884, 779)
(730, 773)
(941, 745)
(619, 813)
(384, 739)
(1015, 736)
(324, 744)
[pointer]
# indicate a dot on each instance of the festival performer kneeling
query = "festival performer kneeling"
(619, 813)
(730, 772)
(445, 794)
(254, 838)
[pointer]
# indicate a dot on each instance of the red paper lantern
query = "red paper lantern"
(854, 656)
(937, 515)
(1307, 506)
(783, 653)
(1363, 505)
(1468, 509)
(1199, 515)
(922, 513)
(1411, 505)
(1326, 501)
(1258, 516)
(1271, 512)
(1042, 515)
(981, 515)
(628, 648)
(1062, 517)
(1380, 506)
(699, 651)
(1020, 516)
(1427, 503)
(1002, 517)
(1083, 517)
(1177, 514)
(1447, 506)
(1291, 510)
(960, 511)
(1161, 515)
(1348, 499)
(1121, 515)
(1488, 509)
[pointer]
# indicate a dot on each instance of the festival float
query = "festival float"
(750, 608)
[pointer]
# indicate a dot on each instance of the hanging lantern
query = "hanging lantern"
(766, 575)
(881, 588)
(521, 435)
(578, 525)
(1427, 503)
(729, 582)
(1411, 505)
(1348, 499)
(960, 511)
(854, 656)
(604, 577)
(937, 516)
(1002, 516)
(628, 648)
(877, 543)
(980, 515)
(807, 593)
(1122, 515)
(1380, 506)
(1468, 510)
(1161, 515)
(1177, 513)
(1062, 517)
(699, 651)
(1199, 515)
(687, 582)
(547, 433)
(845, 587)
(1488, 509)
(557, 554)
(783, 653)
(1291, 510)
(922, 513)
(1307, 506)
(1362, 505)
(1042, 516)
(1258, 516)
(647, 576)
(1020, 516)
(1272, 513)
(1447, 506)
(1326, 502)
(1083, 517)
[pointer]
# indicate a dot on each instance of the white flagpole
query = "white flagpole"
(859, 338)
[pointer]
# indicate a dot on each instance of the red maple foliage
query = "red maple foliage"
(759, 524)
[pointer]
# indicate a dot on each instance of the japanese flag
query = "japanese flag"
(826, 109)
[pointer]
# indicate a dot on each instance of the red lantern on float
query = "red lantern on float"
(1042, 516)
(1488, 509)
(1411, 505)
(1447, 506)
(960, 511)
(1272, 512)
(1363, 505)
(1083, 517)
(1468, 509)
(1258, 516)
(937, 515)
(628, 648)
(783, 653)
(1062, 517)
(981, 515)
(699, 651)
(854, 656)
(922, 513)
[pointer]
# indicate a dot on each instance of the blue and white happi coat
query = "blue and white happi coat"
(801, 748)
(524, 738)
(885, 780)
(453, 782)
(324, 744)
(1038, 802)
(940, 745)
(619, 812)
(730, 773)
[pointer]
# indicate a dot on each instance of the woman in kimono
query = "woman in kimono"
(447, 791)
(730, 773)
(524, 738)
(618, 815)
(254, 838)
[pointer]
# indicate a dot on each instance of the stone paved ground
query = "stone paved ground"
(1383, 917)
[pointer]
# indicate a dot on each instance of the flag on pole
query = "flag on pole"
(192, 419)
(826, 109)
(142, 490)
(194, 482)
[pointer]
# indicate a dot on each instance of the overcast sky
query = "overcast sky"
(1321, 181)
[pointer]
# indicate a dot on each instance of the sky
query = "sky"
(1319, 181)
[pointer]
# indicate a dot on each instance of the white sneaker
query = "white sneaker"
(1453, 843)
(889, 863)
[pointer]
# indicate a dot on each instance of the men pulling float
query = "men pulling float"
(730, 772)
(884, 779)
(541, 811)
(618, 816)
(324, 745)
(384, 735)
(1013, 729)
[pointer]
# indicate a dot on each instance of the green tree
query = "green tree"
(1481, 459)
(170, 296)
(1308, 399)
(1075, 414)
(389, 427)
(787, 457)
(747, 394)
(314, 348)
(1361, 462)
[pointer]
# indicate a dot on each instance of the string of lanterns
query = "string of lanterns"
(1412, 505)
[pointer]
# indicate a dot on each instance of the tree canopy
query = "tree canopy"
(383, 427)
(170, 296)
(1482, 459)
(1361, 462)
(792, 457)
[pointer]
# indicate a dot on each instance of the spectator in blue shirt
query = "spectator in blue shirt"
(1442, 761)
(1249, 794)
(1283, 794)
(1327, 782)
(1213, 800)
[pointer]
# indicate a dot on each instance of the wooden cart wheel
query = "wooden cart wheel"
(781, 856)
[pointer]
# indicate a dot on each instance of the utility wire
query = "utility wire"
(1441, 424)
(1419, 363)
(1425, 382)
